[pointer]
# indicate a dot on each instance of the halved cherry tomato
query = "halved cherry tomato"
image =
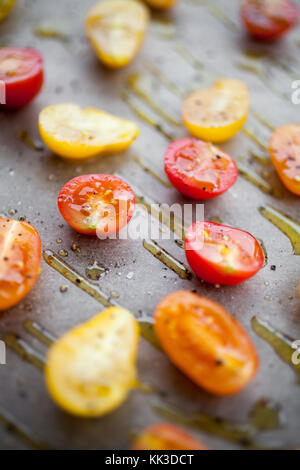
(91, 369)
(116, 30)
(198, 169)
(72, 132)
(5, 8)
(268, 19)
(205, 342)
(164, 436)
(217, 113)
(222, 255)
(21, 70)
(161, 4)
(285, 154)
(96, 204)
(20, 259)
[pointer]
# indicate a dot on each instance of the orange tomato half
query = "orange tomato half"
(164, 436)
(284, 149)
(203, 340)
(20, 259)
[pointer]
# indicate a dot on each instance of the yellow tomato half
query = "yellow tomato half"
(5, 8)
(161, 4)
(72, 132)
(217, 113)
(116, 29)
(91, 369)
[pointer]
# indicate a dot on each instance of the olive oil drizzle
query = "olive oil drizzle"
(263, 121)
(263, 416)
(250, 134)
(158, 126)
(281, 343)
(169, 84)
(147, 330)
(286, 224)
(222, 17)
(26, 352)
(162, 181)
(77, 279)
(13, 426)
(154, 209)
(188, 56)
(258, 181)
(168, 260)
(139, 84)
(39, 332)
(24, 136)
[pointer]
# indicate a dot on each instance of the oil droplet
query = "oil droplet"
(130, 275)
(50, 30)
(280, 342)
(168, 260)
(63, 253)
(75, 248)
(58, 240)
(114, 294)
(63, 288)
(39, 332)
(33, 144)
(95, 270)
(286, 224)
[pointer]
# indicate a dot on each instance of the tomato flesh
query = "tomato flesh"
(164, 436)
(96, 204)
(198, 169)
(285, 154)
(20, 259)
(21, 70)
(205, 342)
(222, 255)
(268, 19)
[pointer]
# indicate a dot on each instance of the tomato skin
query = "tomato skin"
(20, 259)
(21, 88)
(207, 265)
(266, 21)
(164, 436)
(76, 193)
(205, 342)
(284, 149)
(185, 153)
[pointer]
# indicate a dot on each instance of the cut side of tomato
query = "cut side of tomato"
(20, 259)
(222, 255)
(21, 70)
(268, 19)
(164, 436)
(198, 169)
(76, 133)
(96, 204)
(116, 30)
(91, 369)
(284, 149)
(205, 342)
(217, 113)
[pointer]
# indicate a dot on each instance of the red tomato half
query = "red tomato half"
(268, 19)
(20, 259)
(22, 72)
(96, 204)
(222, 255)
(198, 169)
